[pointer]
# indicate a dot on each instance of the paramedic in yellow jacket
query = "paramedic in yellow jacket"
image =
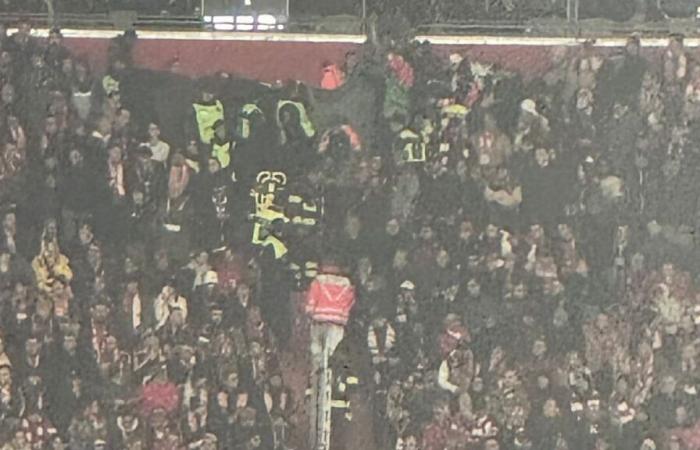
(49, 265)
(207, 111)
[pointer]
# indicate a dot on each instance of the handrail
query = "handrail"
(540, 26)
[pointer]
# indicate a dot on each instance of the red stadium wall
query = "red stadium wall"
(284, 57)
(273, 60)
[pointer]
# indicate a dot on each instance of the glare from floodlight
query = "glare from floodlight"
(223, 19)
(267, 19)
(245, 19)
(224, 27)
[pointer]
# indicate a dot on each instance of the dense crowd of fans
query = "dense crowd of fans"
(522, 248)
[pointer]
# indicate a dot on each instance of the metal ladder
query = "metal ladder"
(321, 425)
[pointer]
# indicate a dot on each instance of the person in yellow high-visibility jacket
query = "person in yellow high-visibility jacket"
(221, 145)
(207, 111)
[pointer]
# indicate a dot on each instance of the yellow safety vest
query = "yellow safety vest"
(455, 111)
(222, 153)
(413, 148)
(207, 116)
(277, 246)
(304, 120)
(244, 119)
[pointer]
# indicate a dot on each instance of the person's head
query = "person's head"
(85, 234)
(539, 348)
(466, 230)
(153, 130)
(353, 224)
(675, 42)
(392, 227)
(492, 231)
(565, 231)
(99, 312)
(123, 118)
(443, 258)
(550, 408)
(207, 95)
(542, 157)
(243, 292)
(633, 45)
(410, 442)
(426, 233)
(231, 380)
(668, 385)
(8, 94)
(24, 28)
(213, 165)
(75, 157)
(276, 381)
(94, 255)
(400, 259)
(67, 66)
(492, 444)
(32, 346)
(70, 343)
(473, 288)
(50, 125)
(5, 376)
(520, 290)
(115, 154)
(9, 222)
(255, 441)
(55, 37)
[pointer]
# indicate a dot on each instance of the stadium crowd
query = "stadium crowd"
(523, 251)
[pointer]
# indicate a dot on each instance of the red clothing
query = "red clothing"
(689, 436)
(333, 77)
(159, 395)
(330, 298)
(435, 437)
(402, 70)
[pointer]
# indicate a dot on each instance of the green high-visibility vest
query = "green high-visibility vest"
(207, 116)
(222, 153)
(304, 120)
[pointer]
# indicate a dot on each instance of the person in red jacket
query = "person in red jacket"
(329, 300)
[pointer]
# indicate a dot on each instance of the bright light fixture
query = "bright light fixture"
(224, 27)
(245, 19)
(245, 27)
(267, 19)
(207, 19)
(223, 19)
